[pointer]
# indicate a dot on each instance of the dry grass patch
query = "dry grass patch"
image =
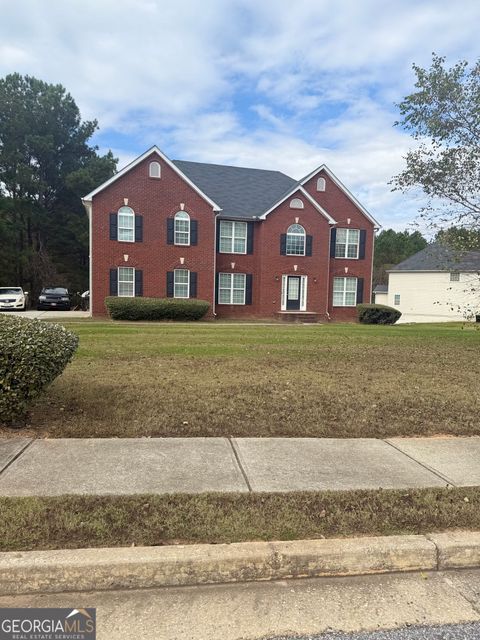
(88, 521)
(215, 380)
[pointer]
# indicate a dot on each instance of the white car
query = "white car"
(14, 298)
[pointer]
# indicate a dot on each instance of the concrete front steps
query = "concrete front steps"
(298, 316)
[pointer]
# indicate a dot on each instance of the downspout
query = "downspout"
(375, 229)
(88, 209)
(214, 263)
(327, 314)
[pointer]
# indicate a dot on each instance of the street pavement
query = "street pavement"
(283, 609)
(128, 466)
(445, 632)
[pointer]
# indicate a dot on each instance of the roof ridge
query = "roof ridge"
(234, 166)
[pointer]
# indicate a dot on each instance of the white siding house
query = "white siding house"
(437, 284)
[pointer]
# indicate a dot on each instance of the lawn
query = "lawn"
(339, 380)
(69, 522)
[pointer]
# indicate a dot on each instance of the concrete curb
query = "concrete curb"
(148, 567)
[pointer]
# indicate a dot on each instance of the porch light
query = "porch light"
(232, 264)
(182, 260)
(346, 269)
(125, 257)
(295, 267)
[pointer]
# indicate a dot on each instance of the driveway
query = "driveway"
(47, 315)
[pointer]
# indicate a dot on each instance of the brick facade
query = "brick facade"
(157, 199)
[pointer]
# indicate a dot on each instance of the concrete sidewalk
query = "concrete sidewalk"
(194, 465)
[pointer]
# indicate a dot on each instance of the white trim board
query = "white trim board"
(306, 195)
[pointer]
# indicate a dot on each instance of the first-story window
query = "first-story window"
(126, 281)
(347, 243)
(181, 281)
(396, 299)
(233, 237)
(126, 224)
(455, 276)
(344, 292)
(231, 288)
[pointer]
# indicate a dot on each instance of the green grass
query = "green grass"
(68, 522)
(339, 380)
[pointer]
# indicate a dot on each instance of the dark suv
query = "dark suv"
(54, 298)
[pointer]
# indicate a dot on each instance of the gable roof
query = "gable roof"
(381, 288)
(240, 192)
(296, 187)
(128, 167)
(438, 257)
(340, 185)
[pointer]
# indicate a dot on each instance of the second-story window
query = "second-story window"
(347, 243)
(233, 237)
(126, 224)
(295, 240)
(182, 228)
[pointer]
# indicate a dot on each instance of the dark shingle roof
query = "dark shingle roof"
(438, 257)
(381, 288)
(240, 192)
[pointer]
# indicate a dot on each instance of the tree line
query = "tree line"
(46, 165)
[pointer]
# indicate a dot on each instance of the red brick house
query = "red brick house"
(254, 243)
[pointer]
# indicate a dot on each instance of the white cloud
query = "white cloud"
(266, 84)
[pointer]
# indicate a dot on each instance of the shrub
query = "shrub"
(32, 354)
(377, 314)
(155, 308)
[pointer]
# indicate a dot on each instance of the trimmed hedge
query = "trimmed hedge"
(377, 314)
(32, 354)
(155, 308)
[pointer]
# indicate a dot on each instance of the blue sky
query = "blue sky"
(272, 84)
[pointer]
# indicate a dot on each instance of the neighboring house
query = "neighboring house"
(254, 243)
(437, 284)
(380, 294)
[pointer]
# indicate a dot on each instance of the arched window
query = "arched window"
(182, 228)
(295, 240)
(321, 184)
(126, 224)
(154, 170)
(296, 203)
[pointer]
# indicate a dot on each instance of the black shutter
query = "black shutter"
(170, 276)
(193, 232)
(333, 242)
(283, 244)
(248, 288)
(216, 288)
(193, 284)
(359, 290)
(308, 246)
(138, 228)
(113, 226)
(218, 237)
(114, 282)
(250, 226)
(170, 230)
(361, 248)
(138, 282)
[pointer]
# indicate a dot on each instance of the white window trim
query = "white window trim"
(296, 203)
(182, 283)
(303, 291)
(130, 214)
(344, 292)
(152, 164)
(395, 298)
(321, 181)
(125, 281)
(345, 257)
(231, 287)
(296, 234)
(234, 224)
(181, 244)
